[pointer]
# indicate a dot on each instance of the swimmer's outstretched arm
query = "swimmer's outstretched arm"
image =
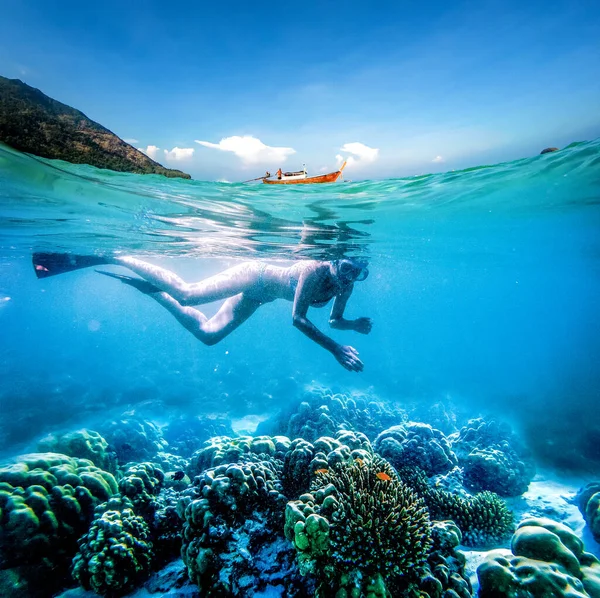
(308, 284)
(337, 320)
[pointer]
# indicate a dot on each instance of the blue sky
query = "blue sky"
(401, 88)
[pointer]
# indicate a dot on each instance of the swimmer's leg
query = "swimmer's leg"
(234, 312)
(226, 284)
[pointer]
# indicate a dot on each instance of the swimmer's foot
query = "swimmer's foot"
(51, 264)
(137, 283)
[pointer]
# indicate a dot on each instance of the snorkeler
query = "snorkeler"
(245, 287)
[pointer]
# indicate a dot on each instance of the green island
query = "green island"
(32, 122)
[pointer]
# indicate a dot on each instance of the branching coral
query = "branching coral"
(359, 523)
(483, 519)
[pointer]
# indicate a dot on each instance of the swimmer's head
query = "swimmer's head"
(351, 269)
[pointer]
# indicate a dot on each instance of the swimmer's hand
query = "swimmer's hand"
(363, 325)
(348, 358)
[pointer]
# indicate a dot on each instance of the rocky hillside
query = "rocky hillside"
(32, 122)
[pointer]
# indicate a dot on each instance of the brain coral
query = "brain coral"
(359, 525)
(547, 561)
(116, 553)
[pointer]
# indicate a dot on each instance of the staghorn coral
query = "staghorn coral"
(416, 444)
(223, 449)
(483, 519)
(359, 526)
(547, 561)
(82, 444)
(116, 553)
(588, 501)
(47, 501)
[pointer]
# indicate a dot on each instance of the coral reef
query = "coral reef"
(547, 560)
(116, 553)
(133, 439)
(416, 444)
(223, 449)
(322, 412)
(483, 519)
(360, 529)
(186, 434)
(47, 501)
(444, 573)
(588, 501)
(233, 520)
(304, 459)
(493, 458)
(141, 483)
(82, 444)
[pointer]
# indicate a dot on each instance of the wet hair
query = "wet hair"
(352, 268)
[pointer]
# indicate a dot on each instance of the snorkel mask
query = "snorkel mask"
(352, 269)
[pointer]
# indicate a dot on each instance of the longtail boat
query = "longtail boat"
(301, 178)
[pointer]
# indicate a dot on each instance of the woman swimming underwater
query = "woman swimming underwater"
(245, 287)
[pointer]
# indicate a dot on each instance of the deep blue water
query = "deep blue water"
(484, 291)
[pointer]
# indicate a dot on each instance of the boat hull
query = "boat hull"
(332, 177)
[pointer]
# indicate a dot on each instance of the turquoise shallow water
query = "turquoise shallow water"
(484, 292)
(484, 289)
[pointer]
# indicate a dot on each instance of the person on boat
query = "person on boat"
(279, 174)
(245, 287)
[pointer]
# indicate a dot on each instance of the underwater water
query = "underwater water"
(484, 290)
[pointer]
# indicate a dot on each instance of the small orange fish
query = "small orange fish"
(322, 471)
(383, 476)
(359, 461)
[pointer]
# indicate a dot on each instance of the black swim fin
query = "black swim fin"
(51, 264)
(138, 283)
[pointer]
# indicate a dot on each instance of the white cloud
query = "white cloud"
(151, 151)
(438, 160)
(131, 141)
(362, 154)
(179, 153)
(250, 149)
